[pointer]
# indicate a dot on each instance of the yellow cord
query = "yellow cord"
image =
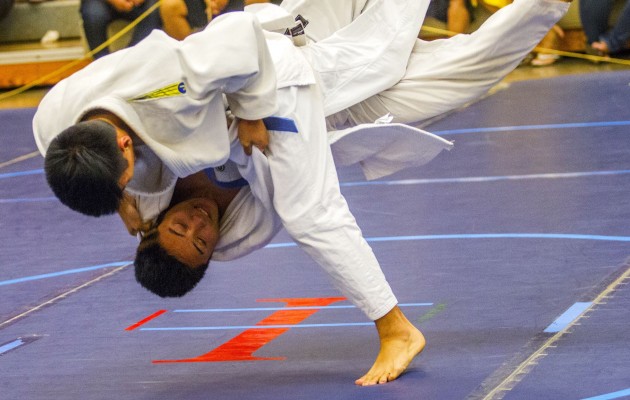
(589, 57)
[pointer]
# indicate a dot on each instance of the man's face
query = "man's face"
(190, 231)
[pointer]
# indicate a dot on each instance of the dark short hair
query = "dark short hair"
(83, 166)
(160, 272)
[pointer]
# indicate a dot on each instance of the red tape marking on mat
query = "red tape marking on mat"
(144, 321)
(243, 346)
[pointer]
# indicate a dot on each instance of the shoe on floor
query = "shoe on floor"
(543, 60)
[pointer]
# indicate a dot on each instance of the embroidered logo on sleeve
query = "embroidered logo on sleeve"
(172, 90)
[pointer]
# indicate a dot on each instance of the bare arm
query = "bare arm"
(174, 22)
(129, 215)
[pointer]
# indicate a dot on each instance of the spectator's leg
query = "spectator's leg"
(144, 28)
(550, 41)
(617, 38)
(5, 8)
(174, 15)
(594, 16)
(458, 16)
(96, 15)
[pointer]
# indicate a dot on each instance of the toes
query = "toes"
(376, 379)
(362, 381)
(367, 380)
(379, 376)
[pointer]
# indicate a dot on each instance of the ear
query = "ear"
(124, 142)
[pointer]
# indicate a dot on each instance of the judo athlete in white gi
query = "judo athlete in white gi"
(322, 225)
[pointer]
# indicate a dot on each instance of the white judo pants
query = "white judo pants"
(358, 48)
(445, 74)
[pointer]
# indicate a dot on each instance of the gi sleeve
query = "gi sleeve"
(307, 197)
(231, 55)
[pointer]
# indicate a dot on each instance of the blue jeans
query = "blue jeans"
(98, 14)
(595, 14)
(5, 7)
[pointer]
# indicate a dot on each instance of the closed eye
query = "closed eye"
(178, 229)
(198, 245)
(175, 232)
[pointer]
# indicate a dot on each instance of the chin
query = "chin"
(207, 206)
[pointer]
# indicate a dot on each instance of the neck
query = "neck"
(199, 185)
(223, 197)
(114, 120)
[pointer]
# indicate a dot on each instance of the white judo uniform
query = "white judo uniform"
(441, 75)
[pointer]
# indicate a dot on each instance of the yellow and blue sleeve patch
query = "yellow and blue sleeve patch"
(172, 90)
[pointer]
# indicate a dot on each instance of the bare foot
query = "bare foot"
(401, 342)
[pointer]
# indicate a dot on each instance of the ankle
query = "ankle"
(394, 324)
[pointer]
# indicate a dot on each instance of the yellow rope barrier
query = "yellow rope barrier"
(88, 55)
(544, 50)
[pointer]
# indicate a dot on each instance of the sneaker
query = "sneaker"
(544, 60)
